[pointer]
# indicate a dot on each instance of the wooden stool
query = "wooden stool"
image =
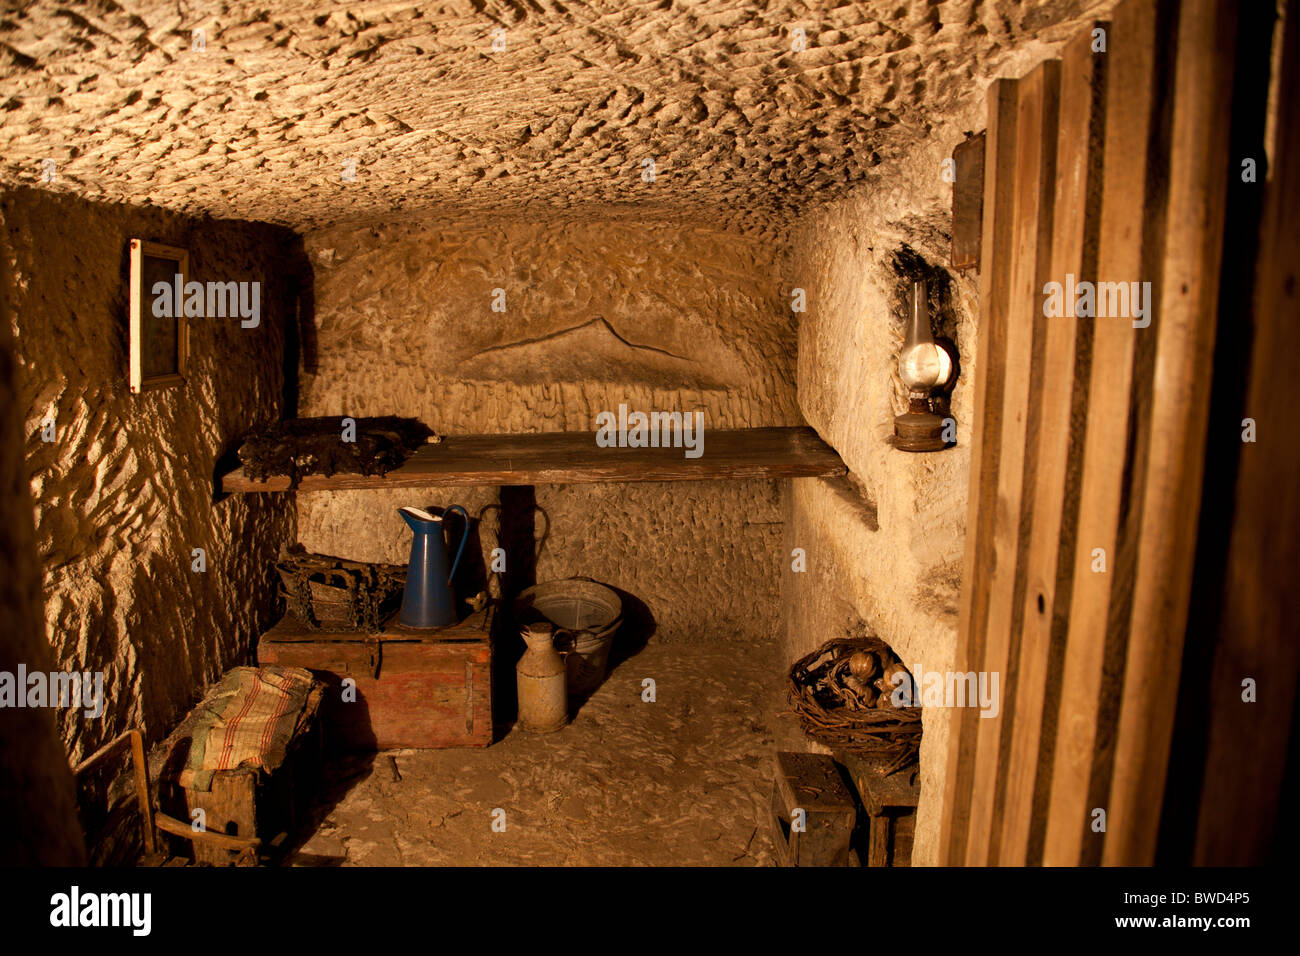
(813, 813)
(891, 808)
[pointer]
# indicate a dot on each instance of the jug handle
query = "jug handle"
(463, 538)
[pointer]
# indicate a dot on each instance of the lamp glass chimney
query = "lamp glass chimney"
(921, 364)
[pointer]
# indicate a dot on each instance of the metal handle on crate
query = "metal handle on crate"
(374, 653)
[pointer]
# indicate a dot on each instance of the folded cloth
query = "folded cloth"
(248, 717)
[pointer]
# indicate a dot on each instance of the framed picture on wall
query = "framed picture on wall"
(159, 335)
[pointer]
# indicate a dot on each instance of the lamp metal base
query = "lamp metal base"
(919, 431)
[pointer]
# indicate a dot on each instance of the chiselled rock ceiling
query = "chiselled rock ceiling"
(263, 112)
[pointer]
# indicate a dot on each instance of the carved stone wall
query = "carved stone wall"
(660, 315)
(124, 494)
(38, 822)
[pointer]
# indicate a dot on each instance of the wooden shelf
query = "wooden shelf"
(575, 458)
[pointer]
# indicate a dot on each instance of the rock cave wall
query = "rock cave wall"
(125, 492)
(884, 545)
(37, 802)
(659, 315)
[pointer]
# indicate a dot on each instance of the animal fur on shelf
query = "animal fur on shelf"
(328, 445)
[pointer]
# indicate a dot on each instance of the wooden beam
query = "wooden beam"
(575, 458)
(1031, 227)
(1102, 586)
(129, 740)
(990, 373)
(1049, 556)
(212, 838)
(1184, 329)
(1259, 631)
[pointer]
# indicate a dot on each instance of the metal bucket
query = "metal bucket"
(585, 615)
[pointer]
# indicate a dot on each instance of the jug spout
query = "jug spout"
(417, 519)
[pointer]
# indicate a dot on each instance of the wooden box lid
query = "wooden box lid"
(476, 627)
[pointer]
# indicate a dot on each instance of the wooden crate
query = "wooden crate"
(811, 783)
(245, 803)
(411, 688)
(890, 802)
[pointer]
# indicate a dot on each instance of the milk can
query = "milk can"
(543, 697)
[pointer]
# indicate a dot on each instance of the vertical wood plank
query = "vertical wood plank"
(1097, 622)
(1246, 755)
(1045, 600)
(990, 370)
(1184, 331)
(1036, 130)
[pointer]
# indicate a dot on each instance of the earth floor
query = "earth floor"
(683, 780)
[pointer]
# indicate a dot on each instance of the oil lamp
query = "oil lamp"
(924, 367)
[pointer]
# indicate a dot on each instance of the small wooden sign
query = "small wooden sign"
(967, 202)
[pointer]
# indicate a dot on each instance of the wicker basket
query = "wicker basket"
(894, 733)
(330, 594)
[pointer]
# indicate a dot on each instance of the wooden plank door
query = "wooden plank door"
(1109, 169)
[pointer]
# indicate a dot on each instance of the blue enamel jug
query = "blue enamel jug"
(428, 600)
